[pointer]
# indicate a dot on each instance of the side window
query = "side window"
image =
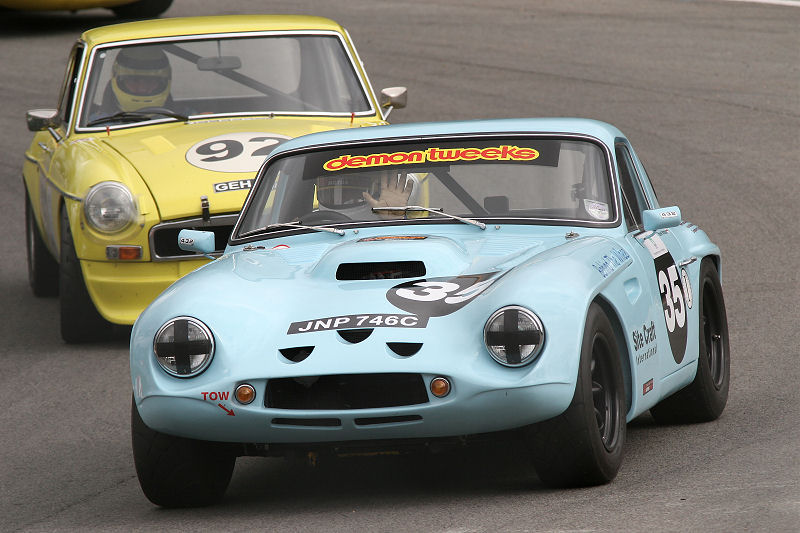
(70, 83)
(632, 196)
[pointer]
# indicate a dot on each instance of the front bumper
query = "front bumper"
(120, 291)
(471, 408)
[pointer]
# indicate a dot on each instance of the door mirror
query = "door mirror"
(42, 119)
(191, 240)
(666, 217)
(393, 97)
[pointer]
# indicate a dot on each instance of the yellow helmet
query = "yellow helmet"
(141, 77)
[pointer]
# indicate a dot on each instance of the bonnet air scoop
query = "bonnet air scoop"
(380, 270)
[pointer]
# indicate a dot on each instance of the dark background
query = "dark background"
(709, 94)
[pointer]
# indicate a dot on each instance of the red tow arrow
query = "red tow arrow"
(229, 411)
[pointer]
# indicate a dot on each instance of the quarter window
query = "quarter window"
(70, 84)
(633, 197)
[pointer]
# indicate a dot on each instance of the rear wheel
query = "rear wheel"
(705, 399)
(179, 472)
(142, 9)
(583, 445)
(42, 266)
(80, 321)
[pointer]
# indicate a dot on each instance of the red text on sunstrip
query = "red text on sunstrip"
(497, 153)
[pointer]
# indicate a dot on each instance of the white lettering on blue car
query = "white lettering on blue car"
(358, 321)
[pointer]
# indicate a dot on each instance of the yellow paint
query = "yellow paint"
(151, 162)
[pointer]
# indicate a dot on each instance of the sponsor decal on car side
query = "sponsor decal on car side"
(674, 294)
(647, 387)
(644, 342)
(611, 261)
(233, 152)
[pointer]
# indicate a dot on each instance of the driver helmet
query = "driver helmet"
(141, 77)
(344, 192)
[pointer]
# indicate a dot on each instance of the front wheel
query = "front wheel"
(583, 446)
(80, 321)
(705, 398)
(179, 472)
(42, 267)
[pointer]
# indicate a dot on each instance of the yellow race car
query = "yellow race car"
(161, 126)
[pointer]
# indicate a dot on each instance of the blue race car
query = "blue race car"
(423, 283)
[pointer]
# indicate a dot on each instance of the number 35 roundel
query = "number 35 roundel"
(676, 293)
(439, 296)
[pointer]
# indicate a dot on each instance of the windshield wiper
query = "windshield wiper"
(135, 116)
(438, 211)
(292, 225)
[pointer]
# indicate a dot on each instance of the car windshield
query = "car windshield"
(521, 180)
(299, 74)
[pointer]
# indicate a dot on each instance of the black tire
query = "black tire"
(42, 266)
(80, 321)
(179, 472)
(583, 446)
(705, 398)
(142, 9)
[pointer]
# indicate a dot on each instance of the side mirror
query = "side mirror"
(42, 119)
(666, 217)
(191, 240)
(393, 97)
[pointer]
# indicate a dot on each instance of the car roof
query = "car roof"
(183, 26)
(594, 128)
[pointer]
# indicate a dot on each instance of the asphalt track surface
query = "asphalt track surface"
(709, 94)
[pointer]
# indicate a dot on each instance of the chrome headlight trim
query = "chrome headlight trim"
(188, 351)
(109, 207)
(508, 343)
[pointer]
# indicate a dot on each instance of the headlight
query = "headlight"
(184, 347)
(514, 336)
(109, 207)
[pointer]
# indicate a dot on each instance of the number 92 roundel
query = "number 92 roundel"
(439, 296)
(234, 152)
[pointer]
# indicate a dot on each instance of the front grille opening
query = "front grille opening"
(404, 349)
(354, 336)
(375, 420)
(307, 422)
(346, 391)
(164, 236)
(380, 270)
(296, 354)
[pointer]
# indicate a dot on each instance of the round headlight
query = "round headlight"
(109, 207)
(184, 347)
(514, 336)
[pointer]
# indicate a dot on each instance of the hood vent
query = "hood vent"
(380, 270)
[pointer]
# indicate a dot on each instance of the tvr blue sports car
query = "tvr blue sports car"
(422, 283)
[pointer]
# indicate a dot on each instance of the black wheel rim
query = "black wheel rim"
(604, 394)
(712, 335)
